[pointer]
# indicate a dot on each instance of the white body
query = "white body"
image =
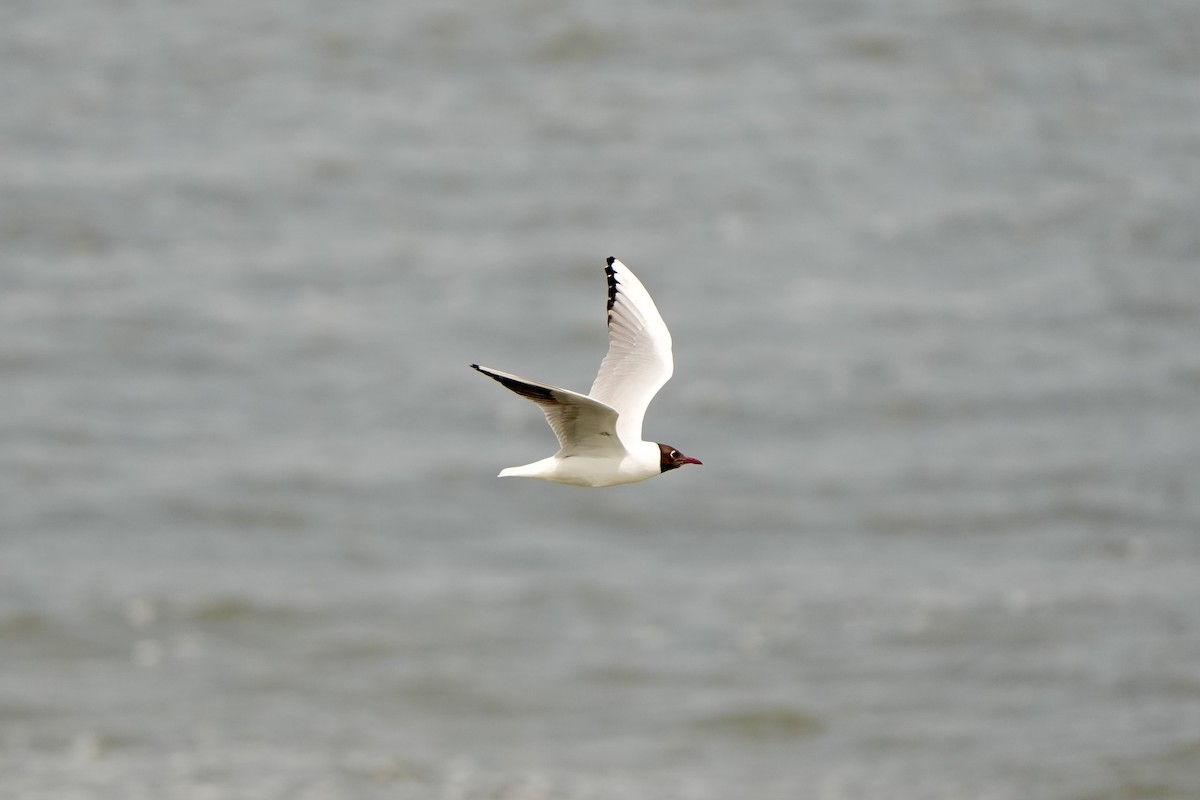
(600, 433)
(593, 471)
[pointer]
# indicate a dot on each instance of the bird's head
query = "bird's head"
(673, 459)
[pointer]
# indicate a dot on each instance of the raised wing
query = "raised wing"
(584, 426)
(639, 360)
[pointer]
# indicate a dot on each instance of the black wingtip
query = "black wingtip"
(612, 285)
(476, 366)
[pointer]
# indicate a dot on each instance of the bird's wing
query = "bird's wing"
(584, 426)
(639, 360)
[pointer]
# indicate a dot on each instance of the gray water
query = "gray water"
(933, 273)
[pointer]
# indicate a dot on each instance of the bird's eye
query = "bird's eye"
(674, 453)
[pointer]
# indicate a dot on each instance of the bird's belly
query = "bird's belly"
(595, 472)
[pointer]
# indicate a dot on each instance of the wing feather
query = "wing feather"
(639, 360)
(582, 424)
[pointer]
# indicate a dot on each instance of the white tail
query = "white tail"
(538, 469)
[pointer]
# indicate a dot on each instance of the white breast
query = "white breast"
(643, 462)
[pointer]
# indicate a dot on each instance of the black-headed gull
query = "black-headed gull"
(600, 433)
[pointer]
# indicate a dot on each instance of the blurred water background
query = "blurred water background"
(933, 272)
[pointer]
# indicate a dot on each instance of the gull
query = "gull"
(600, 433)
